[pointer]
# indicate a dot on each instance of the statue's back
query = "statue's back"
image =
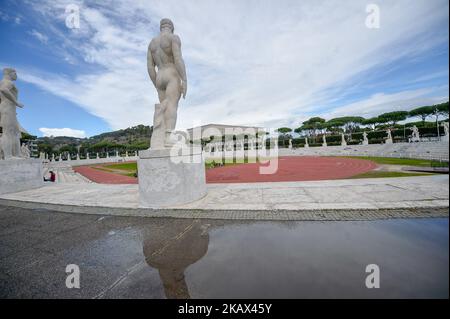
(161, 48)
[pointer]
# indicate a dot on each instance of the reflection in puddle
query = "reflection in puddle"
(172, 249)
(235, 259)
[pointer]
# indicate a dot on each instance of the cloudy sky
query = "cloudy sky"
(270, 63)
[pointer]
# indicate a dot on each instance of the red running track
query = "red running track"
(103, 177)
(290, 169)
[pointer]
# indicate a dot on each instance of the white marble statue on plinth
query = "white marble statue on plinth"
(170, 173)
(343, 141)
(415, 137)
(389, 137)
(306, 143)
(10, 138)
(324, 140)
(365, 139)
(445, 138)
(17, 170)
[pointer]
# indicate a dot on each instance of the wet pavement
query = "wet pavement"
(138, 257)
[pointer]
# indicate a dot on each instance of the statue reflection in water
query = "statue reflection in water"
(173, 246)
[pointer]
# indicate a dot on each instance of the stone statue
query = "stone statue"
(10, 138)
(290, 143)
(415, 134)
(365, 139)
(25, 151)
(306, 142)
(445, 124)
(389, 136)
(445, 138)
(343, 141)
(164, 54)
(324, 140)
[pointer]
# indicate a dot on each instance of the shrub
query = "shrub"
(356, 136)
(376, 141)
(376, 135)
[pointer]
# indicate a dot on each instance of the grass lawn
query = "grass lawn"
(382, 174)
(123, 166)
(402, 161)
(127, 169)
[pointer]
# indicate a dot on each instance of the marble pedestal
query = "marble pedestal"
(20, 174)
(167, 179)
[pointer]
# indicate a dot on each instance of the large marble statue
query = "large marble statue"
(10, 138)
(25, 151)
(168, 73)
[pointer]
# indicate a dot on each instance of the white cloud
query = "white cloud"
(248, 62)
(38, 35)
(62, 132)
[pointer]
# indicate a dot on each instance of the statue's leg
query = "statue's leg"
(173, 94)
(7, 145)
(16, 152)
(158, 134)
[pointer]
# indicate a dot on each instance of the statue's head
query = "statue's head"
(166, 24)
(10, 73)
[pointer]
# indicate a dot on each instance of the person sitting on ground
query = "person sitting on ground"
(52, 177)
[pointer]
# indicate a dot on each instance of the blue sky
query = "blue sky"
(267, 63)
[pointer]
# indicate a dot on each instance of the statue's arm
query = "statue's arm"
(179, 63)
(6, 91)
(151, 66)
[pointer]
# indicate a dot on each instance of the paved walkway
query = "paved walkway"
(316, 200)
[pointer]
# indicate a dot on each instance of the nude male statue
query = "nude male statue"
(10, 138)
(164, 54)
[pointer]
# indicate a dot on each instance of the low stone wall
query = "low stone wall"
(93, 161)
(422, 150)
(19, 175)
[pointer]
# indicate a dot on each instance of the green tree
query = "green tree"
(394, 117)
(284, 130)
(373, 121)
(313, 125)
(348, 123)
(422, 112)
(438, 110)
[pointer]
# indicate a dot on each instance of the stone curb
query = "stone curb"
(274, 215)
